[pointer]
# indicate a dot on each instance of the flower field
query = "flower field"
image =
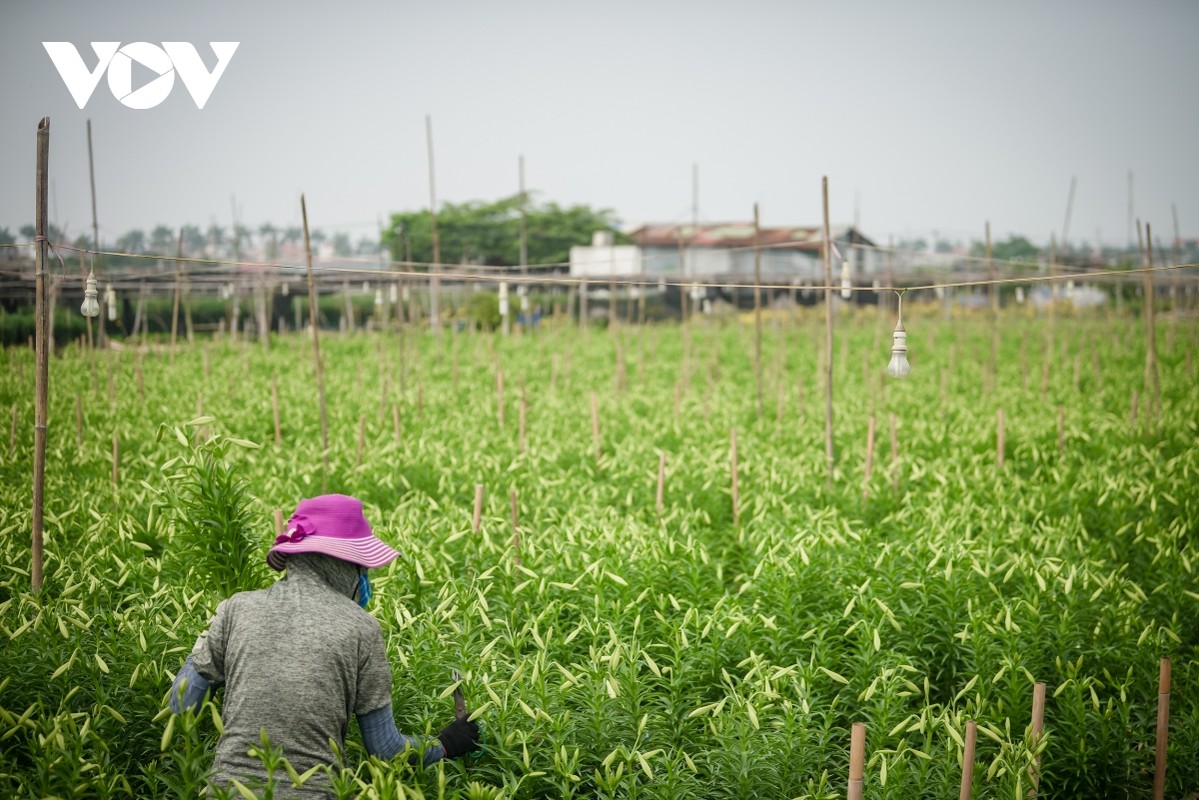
(611, 650)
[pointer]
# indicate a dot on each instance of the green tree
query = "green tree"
(161, 239)
(1015, 248)
(489, 233)
(341, 244)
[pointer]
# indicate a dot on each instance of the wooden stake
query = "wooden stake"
(595, 429)
(1163, 730)
(313, 318)
(116, 458)
(141, 380)
(1153, 389)
(757, 310)
(478, 516)
(42, 351)
(395, 421)
(736, 487)
(1135, 400)
(1000, 440)
(361, 440)
(857, 760)
(435, 268)
(869, 458)
(661, 483)
(280, 529)
(1038, 718)
(829, 453)
(178, 291)
(968, 753)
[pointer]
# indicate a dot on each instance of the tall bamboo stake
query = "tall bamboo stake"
(523, 414)
(829, 453)
(116, 458)
(78, 419)
(857, 760)
(313, 315)
(1037, 725)
(894, 454)
(1061, 429)
(42, 325)
(1153, 388)
(967, 787)
(12, 434)
(280, 525)
(361, 440)
(178, 290)
(101, 335)
(499, 397)
(434, 282)
(758, 308)
(1163, 730)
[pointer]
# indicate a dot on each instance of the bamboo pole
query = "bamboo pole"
(1163, 730)
(736, 485)
(12, 434)
(829, 453)
(78, 419)
(178, 290)
(395, 421)
(434, 280)
(101, 334)
(869, 458)
(116, 459)
(42, 353)
(1153, 388)
(1036, 727)
(478, 515)
(857, 760)
(280, 525)
(968, 761)
(313, 315)
(758, 308)
(661, 483)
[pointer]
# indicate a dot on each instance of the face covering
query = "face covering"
(364, 589)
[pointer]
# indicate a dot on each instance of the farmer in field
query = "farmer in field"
(298, 658)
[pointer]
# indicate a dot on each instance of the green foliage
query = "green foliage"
(214, 540)
(484, 310)
(627, 654)
(489, 233)
(1014, 248)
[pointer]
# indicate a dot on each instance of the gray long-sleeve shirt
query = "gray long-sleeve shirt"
(296, 660)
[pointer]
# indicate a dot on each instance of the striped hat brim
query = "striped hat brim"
(367, 551)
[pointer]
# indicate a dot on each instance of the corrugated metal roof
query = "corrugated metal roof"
(738, 234)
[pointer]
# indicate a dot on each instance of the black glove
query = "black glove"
(459, 738)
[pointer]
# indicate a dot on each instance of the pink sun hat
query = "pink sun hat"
(332, 524)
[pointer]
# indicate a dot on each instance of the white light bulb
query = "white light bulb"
(110, 300)
(393, 293)
(286, 289)
(378, 297)
(845, 281)
(899, 366)
(91, 305)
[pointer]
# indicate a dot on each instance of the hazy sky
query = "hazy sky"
(937, 115)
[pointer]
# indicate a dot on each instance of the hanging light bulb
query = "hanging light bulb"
(378, 297)
(286, 288)
(110, 300)
(393, 292)
(899, 366)
(1020, 295)
(845, 281)
(91, 303)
